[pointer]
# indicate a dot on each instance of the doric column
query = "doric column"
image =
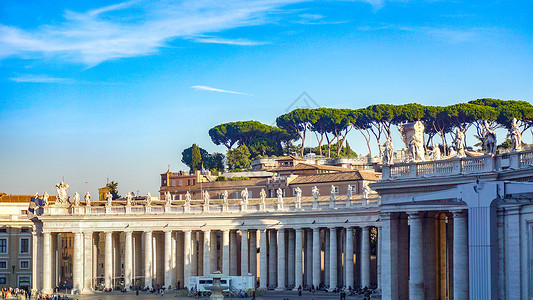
(77, 262)
(187, 237)
(309, 257)
(273, 262)
(332, 258)
(263, 271)
(416, 267)
(253, 252)
(108, 260)
(298, 261)
(244, 252)
(207, 252)
(233, 253)
(225, 252)
(87, 262)
(290, 258)
(378, 259)
(200, 256)
(128, 259)
(47, 263)
(167, 258)
(147, 259)
(34, 259)
(214, 254)
(365, 257)
(316, 257)
(460, 255)
(326, 256)
(349, 258)
(173, 260)
(281, 260)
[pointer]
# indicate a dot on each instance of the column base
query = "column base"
(295, 289)
(47, 291)
(280, 289)
(87, 291)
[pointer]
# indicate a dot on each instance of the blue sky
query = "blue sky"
(92, 90)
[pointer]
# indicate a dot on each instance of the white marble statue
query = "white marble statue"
(76, 199)
(129, 197)
(225, 197)
(349, 192)
(451, 152)
(262, 196)
(388, 152)
(516, 136)
(279, 192)
(45, 199)
(316, 192)
(148, 199)
(489, 140)
(36, 197)
(87, 199)
(244, 196)
(413, 138)
(206, 198)
(62, 195)
(188, 198)
(168, 198)
(366, 191)
(436, 153)
(460, 143)
(109, 199)
(298, 191)
(332, 191)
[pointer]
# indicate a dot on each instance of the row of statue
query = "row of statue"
(413, 136)
(63, 198)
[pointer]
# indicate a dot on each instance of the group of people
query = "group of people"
(8, 293)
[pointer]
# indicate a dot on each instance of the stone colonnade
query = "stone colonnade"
(289, 258)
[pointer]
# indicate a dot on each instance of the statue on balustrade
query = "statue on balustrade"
(206, 198)
(148, 199)
(109, 199)
(349, 192)
(489, 140)
(516, 136)
(225, 197)
(45, 199)
(388, 152)
(436, 152)
(62, 192)
(76, 199)
(366, 191)
(244, 195)
(168, 198)
(460, 143)
(316, 192)
(87, 199)
(298, 191)
(36, 197)
(413, 138)
(128, 199)
(262, 196)
(451, 152)
(188, 198)
(279, 192)
(332, 192)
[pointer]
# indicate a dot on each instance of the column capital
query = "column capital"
(459, 213)
(415, 214)
(385, 216)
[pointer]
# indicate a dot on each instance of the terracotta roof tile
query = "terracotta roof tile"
(304, 166)
(339, 176)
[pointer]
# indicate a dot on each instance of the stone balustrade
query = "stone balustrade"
(457, 166)
(216, 206)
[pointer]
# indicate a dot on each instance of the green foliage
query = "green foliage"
(196, 158)
(186, 156)
(239, 158)
(238, 178)
(263, 147)
(114, 189)
(214, 162)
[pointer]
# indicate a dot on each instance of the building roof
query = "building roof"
(335, 177)
(305, 167)
(4, 198)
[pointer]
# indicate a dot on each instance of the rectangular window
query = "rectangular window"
(188, 182)
(236, 195)
(24, 245)
(173, 182)
(193, 181)
(24, 264)
(250, 195)
(3, 264)
(220, 196)
(194, 196)
(3, 245)
(179, 182)
(3, 230)
(24, 281)
(24, 230)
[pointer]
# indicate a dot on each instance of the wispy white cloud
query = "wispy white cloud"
(40, 79)
(211, 89)
(443, 34)
(316, 19)
(237, 42)
(135, 28)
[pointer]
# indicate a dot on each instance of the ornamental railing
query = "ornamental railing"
(457, 166)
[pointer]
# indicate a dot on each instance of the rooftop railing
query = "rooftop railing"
(456, 165)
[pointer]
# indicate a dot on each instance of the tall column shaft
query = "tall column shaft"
(316, 257)
(47, 263)
(378, 259)
(207, 252)
(298, 270)
(213, 252)
(225, 253)
(34, 257)
(290, 258)
(326, 256)
(253, 252)
(281, 260)
(416, 267)
(128, 259)
(187, 237)
(148, 277)
(108, 260)
(309, 257)
(167, 258)
(263, 271)
(233, 253)
(349, 258)
(365, 257)
(460, 255)
(244, 252)
(173, 260)
(272, 257)
(77, 263)
(332, 258)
